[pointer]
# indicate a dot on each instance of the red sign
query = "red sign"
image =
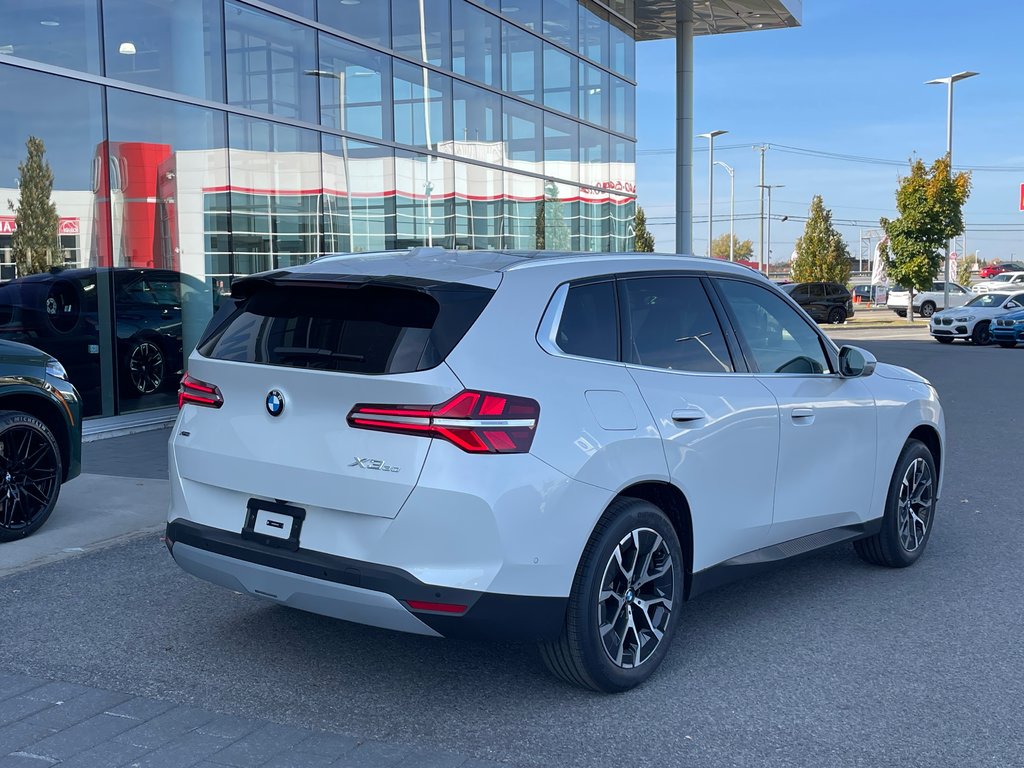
(1022, 197)
(69, 225)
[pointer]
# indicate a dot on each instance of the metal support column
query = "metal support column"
(684, 126)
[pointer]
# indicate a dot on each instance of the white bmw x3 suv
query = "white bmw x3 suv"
(558, 447)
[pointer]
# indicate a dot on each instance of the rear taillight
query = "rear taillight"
(197, 392)
(477, 422)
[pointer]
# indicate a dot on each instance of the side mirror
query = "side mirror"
(854, 362)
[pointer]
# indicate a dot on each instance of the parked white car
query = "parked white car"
(535, 445)
(927, 302)
(1004, 282)
(972, 321)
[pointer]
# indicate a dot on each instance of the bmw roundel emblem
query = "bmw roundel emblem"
(275, 403)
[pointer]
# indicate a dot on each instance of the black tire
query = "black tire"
(901, 312)
(1007, 344)
(928, 309)
(943, 339)
(30, 474)
(145, 368)
(891, 547)
(836, 315)
(981, 336)
(582, 655)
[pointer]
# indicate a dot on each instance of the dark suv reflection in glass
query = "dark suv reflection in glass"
(58, 312)
(824, 302)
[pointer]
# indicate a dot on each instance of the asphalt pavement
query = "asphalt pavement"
(823, 662)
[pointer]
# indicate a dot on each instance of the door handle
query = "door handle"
(803, 414)
(687, 414)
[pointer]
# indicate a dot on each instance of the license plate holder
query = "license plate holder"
(273, 523)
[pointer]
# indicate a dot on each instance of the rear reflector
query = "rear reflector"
(419, 605)
(476, 422)
(197, 392)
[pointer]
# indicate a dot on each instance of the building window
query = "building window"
(594, 32)
(593, 94)
(622, 106)
(357, 217)
(359, 77)
(305, 8)
(427, 38)
(476, 43)
(423, 106)
(268, 60)
(425, 205)
(521, 63)
(373, 25)
(524, 136)
(478, 207)
(561, 22)
(526, 12)
(477, 123)
(561, 78)
(622, 48)
(64, 33)
(561, 147)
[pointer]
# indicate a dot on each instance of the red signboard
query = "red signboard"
(1022, 197)
(69, 225)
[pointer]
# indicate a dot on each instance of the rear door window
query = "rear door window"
(589, 327)
(369, 328)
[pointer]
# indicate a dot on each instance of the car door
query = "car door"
(817, 307)
(720, 429)
(828, 426)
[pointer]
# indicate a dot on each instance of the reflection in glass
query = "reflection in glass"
(524, 136)
(560, 80)
(476, 43)
(561, 147)
(172, 46)
(561, 22)
(51, 298)
(421, 29)
(560, 218)
(622, 107)
(478, 207)
(593, 94)
(359, 77)
(424, 201)
(623, 49)
(358, 209)
(623, 212)
(477, 123)
(594, 32)
(593, 156)
(267, 61)
(524, 212)
(305, 8)
(64, 33)
(521, 63)
(354, 19)
(423, 106)
(526, 12)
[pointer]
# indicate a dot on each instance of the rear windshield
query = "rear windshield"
(370, 329)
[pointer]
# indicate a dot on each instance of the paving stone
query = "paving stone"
(109, 754)
(90, 704)
(80, 737)
(18, 707)
(373, 754)
(19, 735)
(182, 752)
(328, 744)
(176, 721)
(139, 708)
(229, 726)
(58, 693)
(14, 685)
(19, 760)
(267, 741)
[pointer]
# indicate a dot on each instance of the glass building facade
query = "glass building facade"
(193, 141)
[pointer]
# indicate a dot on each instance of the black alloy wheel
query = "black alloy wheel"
(981, 335)
(837, 315)
(30, 474)
(625, 602)
(146, 367)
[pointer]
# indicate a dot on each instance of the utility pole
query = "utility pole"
(760, 252)
(770, 187)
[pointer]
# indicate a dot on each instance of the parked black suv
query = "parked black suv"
(825, 302)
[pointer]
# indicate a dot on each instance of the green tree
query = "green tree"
(821, 252)
(643, 239)
(552, 229)
(742, 249)
(930, 204)
(35, 244)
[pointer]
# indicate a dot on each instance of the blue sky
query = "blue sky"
(849, 81)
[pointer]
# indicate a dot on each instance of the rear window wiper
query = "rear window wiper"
(316, 353)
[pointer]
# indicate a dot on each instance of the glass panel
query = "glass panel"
(413, 35)
(64, 222)
(561, 22)
(524, 212)
(359, 197)
(622, 110)
(594, 33)
(173, 46)
(424, 200)
(169, 156)
(362, 79)
(275, 195)
(777, 338)
(477, 123)
(61, 32)
(622, 49)
(560, 217)
(561, 147)
(593, 156)
(674, 326)
(423, 106)
(268, 61)
(623, 212)
(595, 220)
(560, 80)
(478, 206)
(593, 94)
(356, 19)
(305, 8)
(476, 45)
(526, 12)
(622, 165)
(588, 326)
(521, 63)
(524, 136)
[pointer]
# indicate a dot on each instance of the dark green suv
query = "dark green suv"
(40, 437)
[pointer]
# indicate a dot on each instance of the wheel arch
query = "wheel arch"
(929, 435)
(48, 412)
(670, 500)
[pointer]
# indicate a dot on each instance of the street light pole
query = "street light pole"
(732, 208)
(768, 188)
(711, 182)
(948, 82)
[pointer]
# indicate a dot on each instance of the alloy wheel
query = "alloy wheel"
(636, 597)
(28, 477)
(146, 367)
(917, 499)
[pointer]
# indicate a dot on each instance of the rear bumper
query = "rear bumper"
(365, 593)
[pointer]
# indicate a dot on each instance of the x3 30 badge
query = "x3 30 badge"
(378, 465)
